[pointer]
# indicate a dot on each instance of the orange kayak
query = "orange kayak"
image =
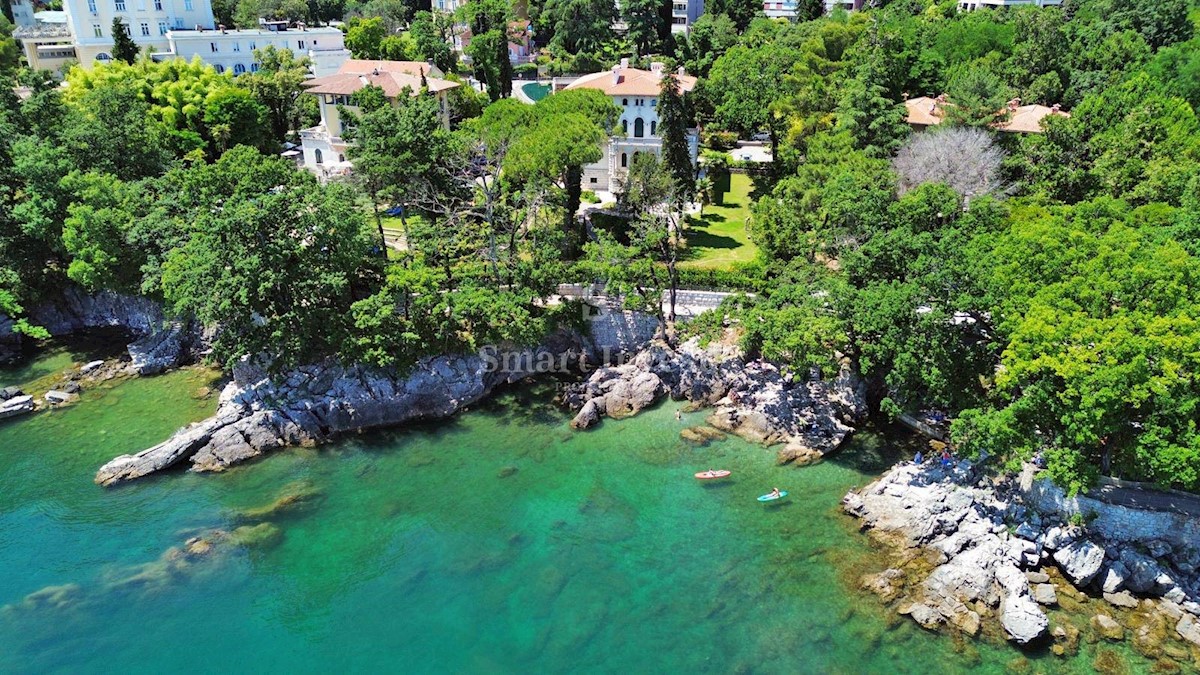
(712, 475)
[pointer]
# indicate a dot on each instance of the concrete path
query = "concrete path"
(1149, 499)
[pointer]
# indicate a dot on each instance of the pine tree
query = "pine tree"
(876, 122)
(672, 125)
(124, 49)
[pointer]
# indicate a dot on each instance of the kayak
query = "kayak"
(711, 475)
(771, 498)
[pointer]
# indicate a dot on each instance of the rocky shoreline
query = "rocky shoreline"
(752, 399)
(312, 404)
(975, 551)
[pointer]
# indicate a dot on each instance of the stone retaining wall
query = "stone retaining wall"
(1119, 523)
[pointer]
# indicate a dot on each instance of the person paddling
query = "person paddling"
(774, 493)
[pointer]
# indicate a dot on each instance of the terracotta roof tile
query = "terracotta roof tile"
(629, 82)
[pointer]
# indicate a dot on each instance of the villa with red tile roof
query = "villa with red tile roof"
(636, 93)
(323, 145)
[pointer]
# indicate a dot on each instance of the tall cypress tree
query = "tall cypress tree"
(673, 126)
(124, 49)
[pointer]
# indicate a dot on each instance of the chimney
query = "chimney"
(624, 63)
(221, 27)
(656, 67)
(680, 71)
(616, 71)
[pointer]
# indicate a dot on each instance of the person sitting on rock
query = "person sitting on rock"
(947, 460)
(919, 458)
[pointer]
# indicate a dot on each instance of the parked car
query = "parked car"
(761, 136)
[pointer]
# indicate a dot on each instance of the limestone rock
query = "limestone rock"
(1037, 577)
(1107, 627)
(883, 584)
(1080, 561)
(1043, 594)
(927, 617)
(1022, 619)
(1122, 599)
(59, 397)
(1189, 629)
(159, 350)
(1144, 571)
(17, 405)
(1113, 578)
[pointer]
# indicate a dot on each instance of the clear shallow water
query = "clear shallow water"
(423, 550)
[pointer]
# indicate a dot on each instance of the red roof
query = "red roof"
(391, 76)
(630, 82)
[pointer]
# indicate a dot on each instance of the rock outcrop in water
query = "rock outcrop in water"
(752, 399)
(979, 548)
(315, 403)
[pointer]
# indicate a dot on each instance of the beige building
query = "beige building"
(47, 41)
(323, 145)
(636, 93)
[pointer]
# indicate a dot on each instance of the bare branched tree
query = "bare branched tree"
(965, 159)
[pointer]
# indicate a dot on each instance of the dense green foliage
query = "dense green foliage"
(1042, 288)
(1055, 315)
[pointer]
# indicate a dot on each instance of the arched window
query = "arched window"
(639, 128)
(238, 69)
(625, 127)
(219, 68)
(624, 160)
(254, 67)
(341, 157)
(103, 56)
(653, 127)
(624, 101)
(317, 153)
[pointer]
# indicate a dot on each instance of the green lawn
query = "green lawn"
(393, 228)
(720, 239)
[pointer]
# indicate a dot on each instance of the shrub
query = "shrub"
(719, 140)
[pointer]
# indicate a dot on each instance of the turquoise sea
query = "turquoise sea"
(499, 541)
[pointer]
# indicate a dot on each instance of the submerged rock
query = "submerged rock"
(50, 597)
(294, 497)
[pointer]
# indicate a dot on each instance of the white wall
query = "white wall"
(158, 16)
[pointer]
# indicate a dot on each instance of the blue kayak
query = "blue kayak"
(769, 498)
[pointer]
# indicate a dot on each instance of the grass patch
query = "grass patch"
(721, 238)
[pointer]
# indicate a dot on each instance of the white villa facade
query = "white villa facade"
(636, 92)
(146, 21)
(323, 146)
(233, 50)
(970, 5)
(167, 28)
